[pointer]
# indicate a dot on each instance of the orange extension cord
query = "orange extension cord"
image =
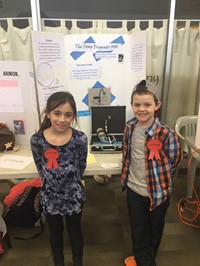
(189, 210)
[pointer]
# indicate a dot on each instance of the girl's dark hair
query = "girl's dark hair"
(55, 100)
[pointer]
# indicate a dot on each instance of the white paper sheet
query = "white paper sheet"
(15, 161)
(11, 97)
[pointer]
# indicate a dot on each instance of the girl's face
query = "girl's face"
(61, 117)
(144, 108)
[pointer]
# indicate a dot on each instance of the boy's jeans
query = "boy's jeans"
(146, 227)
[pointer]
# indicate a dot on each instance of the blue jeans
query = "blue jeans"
(146, 227)
(56, 227)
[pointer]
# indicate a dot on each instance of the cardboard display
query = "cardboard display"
(18, 101)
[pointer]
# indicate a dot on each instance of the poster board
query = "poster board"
(18, 104)
(50, 65)
(89, 61)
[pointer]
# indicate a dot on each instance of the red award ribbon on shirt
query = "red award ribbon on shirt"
(154, 145)
(51, 155)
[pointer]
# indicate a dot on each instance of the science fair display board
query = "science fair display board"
(94, 64)
(50, 65)
(18, 104)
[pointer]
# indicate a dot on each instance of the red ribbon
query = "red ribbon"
(154, 145)
(51, 155)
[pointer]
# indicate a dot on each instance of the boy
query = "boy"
(150, 152)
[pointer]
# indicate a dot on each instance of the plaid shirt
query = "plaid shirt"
(158, 172)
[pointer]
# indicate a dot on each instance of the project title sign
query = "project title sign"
(94, 46)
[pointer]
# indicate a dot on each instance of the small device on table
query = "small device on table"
(107, 128)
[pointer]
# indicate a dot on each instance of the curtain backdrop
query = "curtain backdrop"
(15, 44)
(184, 79)
(184, 86)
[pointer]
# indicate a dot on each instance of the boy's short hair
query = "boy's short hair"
(146, 85)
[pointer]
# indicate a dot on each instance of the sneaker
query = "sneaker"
(130, 261)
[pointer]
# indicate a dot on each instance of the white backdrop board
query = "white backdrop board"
(18, 105)
(49, 63)
(90, 61)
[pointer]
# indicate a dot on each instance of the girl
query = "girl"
(60, 153)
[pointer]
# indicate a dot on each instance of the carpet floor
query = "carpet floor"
(107, 232)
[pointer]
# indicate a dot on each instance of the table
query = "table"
(92, 168)
(193, 165)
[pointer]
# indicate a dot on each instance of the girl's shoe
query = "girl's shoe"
(130, 261)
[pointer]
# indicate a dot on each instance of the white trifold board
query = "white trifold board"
(80, 62)
(18, 98)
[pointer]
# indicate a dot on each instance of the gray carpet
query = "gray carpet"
(107, 232)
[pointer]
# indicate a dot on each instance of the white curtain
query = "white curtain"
(61, 29)
(4, 47)
(76, 30)
(184, 86)
(98, 26)
(156, 53)
(15, 44)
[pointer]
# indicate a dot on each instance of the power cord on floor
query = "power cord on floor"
(189, 210)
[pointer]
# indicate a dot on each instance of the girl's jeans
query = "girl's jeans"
(146, 227)
(74, 230)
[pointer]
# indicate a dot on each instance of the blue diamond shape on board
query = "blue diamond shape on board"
(76, 54)
(119, 40)
(89, 40)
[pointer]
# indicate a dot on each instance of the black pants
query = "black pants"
(146, 227)
(56, 227)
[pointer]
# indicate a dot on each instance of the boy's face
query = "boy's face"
(144, 107)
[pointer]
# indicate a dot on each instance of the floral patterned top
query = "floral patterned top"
(62, 190)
